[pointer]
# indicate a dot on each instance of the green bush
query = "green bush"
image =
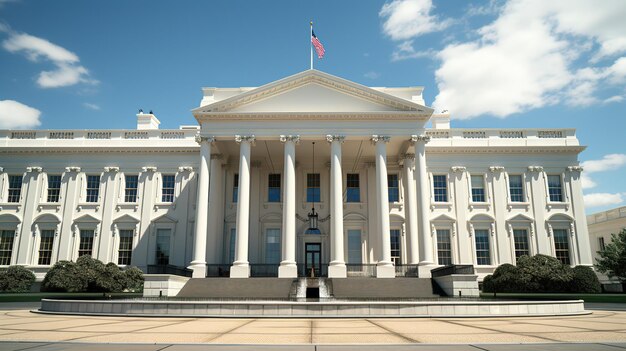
(503, 279)
(16, 279)
(585, 280)
(91, 275)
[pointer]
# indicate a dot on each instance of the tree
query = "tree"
(16, 279)
(612, 261)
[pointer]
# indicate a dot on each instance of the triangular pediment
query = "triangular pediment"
(312, 92)
(126, 219)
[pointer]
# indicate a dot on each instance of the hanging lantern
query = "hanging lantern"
(313, 220)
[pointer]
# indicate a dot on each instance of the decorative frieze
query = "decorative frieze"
(245, 138)
(292, 138)
(535, 169)
(339, 138)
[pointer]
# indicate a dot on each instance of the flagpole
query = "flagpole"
(311, 44)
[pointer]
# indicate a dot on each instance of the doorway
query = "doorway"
(313, 259)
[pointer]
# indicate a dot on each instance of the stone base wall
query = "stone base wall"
(162, 284)
(465, 285)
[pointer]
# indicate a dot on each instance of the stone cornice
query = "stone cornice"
(307, 116)
(505, 149)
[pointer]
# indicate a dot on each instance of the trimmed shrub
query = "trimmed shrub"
(503, 279)
(16, 279)
(585, 280)
(91, 275)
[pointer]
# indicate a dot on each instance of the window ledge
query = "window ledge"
(517, 205)
(49, 206)
(127, 206)
(436, 205)
(10, 206)
(268, 204)
(88, 206)
(480, 205)
(160, 205)
(557, 205)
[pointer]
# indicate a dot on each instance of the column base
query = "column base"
(337, 270)
(288, 270)
(198, 268)
(424, 269)
(385, 270)
(240, 271)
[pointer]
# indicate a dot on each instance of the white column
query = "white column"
(423, 196)
(411, 208)
(241, 267)
(337, 265)
(579, 232)
(288, 268)
(198, 264)
(213, 247)
(384, 268)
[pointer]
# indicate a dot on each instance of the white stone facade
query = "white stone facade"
(601, 226)
(388, 189)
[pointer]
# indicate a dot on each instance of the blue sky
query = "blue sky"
(514, 64)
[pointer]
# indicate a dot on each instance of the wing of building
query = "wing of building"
(308, 173)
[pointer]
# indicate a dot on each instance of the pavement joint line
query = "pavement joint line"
(164, 347)
(394, 332)
(501, 331)
(311, 331)
(32, 347)
(478, 347)
(619, 347)
(231, 330)
(116, 333)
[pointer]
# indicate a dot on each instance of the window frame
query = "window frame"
(272, 191)
(561, 194)
(235, 188)
(449, 230)
(80, 241)
(47, 194)
(14, 194)
(484, 188)
(355, 190)
(308, 188)
(96, 189)
(10, 258)
(266, 244)
(125, 250)
(395, 190)
(566, 231)
(489, 246)
(434, 188)
(41, 242)
(129, 196)
(163, 198)
(522, 187)
(396, 260)
(527, 243)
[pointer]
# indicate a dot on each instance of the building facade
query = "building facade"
(601, 226)
(308, 173)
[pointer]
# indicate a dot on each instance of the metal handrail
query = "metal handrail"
(452, 269)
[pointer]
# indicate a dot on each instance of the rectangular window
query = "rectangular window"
(444, 247)
(15, 188)
(601, 243)
(353, 190)
(93, 188)
(231, 245)
(85, 247)
(45, 247)
(54, 188)
(313, 187)
(130, 193)
(6, 246)
(167, 192)
(235, 188)
(478, 188)
(393, 188)
(126, 247)
(396, 253)
(163, 246)
(272, 246)
(520, 238)
(483, 255)
(561, 245)
(273, 187)
(355, 255)
(555, 189)
(440, 188)
(516, 188)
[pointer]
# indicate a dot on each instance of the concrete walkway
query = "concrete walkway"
(601, 327)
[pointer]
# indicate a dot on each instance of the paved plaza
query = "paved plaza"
(21, 329)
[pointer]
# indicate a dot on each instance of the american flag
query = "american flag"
(319, 48)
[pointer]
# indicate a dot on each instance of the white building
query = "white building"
(601, 226)
(235, 193)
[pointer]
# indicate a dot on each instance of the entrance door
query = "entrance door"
(313, 258)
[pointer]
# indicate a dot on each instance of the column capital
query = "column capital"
(34, 169)
(111, 169)
(535, 169)
(149, 169)
(339, 138)
(408, 156)
(245, 138)
(456, 169)
(496, 169)
(380, 138)
(422, 138)
(216, 157)
(293, 138)
(201, 138)
(185, 169)
(72, 169)
(575, 168)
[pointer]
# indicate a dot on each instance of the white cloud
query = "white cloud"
(607, 163)
(372, 75)
(524, 59)
(91, 106)
(587, 182)
(15, 115)
(603, 199)
(405, 19)
(405, 50)
(67, 71)
(615, 98)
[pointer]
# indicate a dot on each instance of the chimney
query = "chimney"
(147, 121)
(441, 120)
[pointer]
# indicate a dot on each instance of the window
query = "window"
(561, 245)
(85, 247)
(273, 187)
(272, 246)
(163, 246)
(516, 188)
(520, 239)
(395, 247)
(478, 188)
(601, 243)
(355, 255)
(353, 190)
(15, 188)
(6, 246)
(126, 247)
(45, 247)
(444, 248)
(167, 192)
(54, 188)
(231, 245)
(555, 190)
(393, 188)
(93, 188)
(313, 187)
(130, 193)
(440, 188)
(235, 188)
(483, 256)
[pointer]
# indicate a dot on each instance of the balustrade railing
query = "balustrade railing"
(363, 270)
(43, 134)
(452, 269)
(169, 269)
(318, 270)
(407, 270)
(217, 270)
(258, 270)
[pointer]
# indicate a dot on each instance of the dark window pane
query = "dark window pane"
(483, 256)
(353, 192)
(516, 188)
(235, 188)
(555, 188)
(440, 188)
(520, 237)
(6, 246)
(273, 194)
(15, 188)
(130, 194)
(444, 248)
(561, 245)
(478, 189)
(93, 188)
(54, 188)
(393, 187)
(126, 247)
(85, 247)
(169, 183)
(45, 247)
(313, 187)
(395, 247)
